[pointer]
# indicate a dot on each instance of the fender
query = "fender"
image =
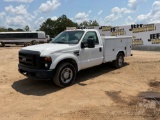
(63, 57)
(122, 52)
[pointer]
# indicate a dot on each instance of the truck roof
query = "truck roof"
(86, 30)
(103, 37)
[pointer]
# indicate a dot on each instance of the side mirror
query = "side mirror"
(91, 43)
(82, 45)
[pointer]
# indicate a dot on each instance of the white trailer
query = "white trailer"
(25, 38)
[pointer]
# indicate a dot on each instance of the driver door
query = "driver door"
(91, 56)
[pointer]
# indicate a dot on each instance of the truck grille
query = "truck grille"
(30, 59)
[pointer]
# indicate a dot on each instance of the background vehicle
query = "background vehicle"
(25, 38)
(48, 38)
(70, 52)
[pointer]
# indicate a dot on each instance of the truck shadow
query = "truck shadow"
(94, 72)
(34, 87)
(41, 88)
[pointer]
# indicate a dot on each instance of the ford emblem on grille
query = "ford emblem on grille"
(24, 59)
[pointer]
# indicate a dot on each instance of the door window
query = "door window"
(88, 35)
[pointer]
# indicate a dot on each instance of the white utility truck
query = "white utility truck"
(70, 52)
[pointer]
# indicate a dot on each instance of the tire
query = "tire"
(28, 44)
(119, 62)
(25, 44)
(36, 43)
(65, 75)
(48, 41)
(2, 44)
(33, 42)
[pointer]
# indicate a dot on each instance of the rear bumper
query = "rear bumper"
(35, 73)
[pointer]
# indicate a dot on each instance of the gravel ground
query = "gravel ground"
(99, 93)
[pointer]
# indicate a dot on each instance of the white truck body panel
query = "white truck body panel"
(49, 48)
(112, 45)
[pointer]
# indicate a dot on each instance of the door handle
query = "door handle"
(100, 49)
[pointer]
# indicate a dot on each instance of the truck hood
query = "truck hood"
(46, 49)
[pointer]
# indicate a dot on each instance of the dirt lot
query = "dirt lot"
(99, 93)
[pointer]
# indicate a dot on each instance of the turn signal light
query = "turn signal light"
(48, 59)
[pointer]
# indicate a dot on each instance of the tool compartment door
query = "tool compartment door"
(113, 45)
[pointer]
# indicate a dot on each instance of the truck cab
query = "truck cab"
(70, 52)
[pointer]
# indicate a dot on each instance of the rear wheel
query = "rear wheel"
(65, 75)
(2, 44)
(36, 43)
(27, 44)
(118, 63)
(48, 41)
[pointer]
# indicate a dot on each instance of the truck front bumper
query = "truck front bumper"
(35, 73)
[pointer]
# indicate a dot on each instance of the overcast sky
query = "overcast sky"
(19, 13)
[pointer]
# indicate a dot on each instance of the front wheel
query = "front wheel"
(65, 75)
(33, 42)
(27, 44)
(118, 63)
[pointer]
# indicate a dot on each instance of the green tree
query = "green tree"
(48, 27)
(84, 23)
(94, 23)
(54, 27)
(89, 23)
(10, 29)
(26, 28)
(63, 22)
(2, 29)
(19, 30)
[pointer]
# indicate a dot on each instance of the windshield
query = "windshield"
(68, 37)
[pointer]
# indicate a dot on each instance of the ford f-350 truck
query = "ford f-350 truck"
(70, 52)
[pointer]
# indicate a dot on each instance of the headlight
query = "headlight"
(47, 59)
(45, 62)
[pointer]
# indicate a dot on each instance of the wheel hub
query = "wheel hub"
(120, 61)
(67, 75)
